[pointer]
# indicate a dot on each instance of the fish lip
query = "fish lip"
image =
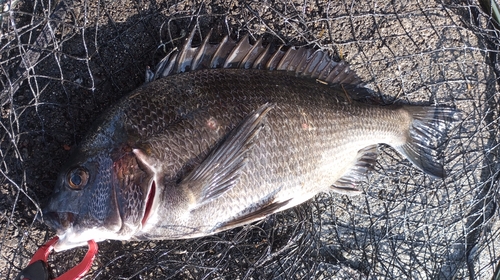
(77, 236)
(73, 237)
(64, 242)
(73, 234)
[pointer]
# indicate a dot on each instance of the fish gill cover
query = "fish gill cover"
(63, 63)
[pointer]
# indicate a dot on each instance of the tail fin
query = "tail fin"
(427, 136)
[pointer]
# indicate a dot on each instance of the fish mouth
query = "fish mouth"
(68, 240)
(150, 199)
(72, 234)
(74, 237)
(63, 224)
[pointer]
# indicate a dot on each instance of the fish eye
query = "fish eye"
(77, 178)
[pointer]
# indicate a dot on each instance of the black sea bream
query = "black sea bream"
(243, 134)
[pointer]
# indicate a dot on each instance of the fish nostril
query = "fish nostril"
(67, 219)
(58, 221)
(51, 219)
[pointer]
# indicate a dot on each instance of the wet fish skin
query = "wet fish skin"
(142, 155)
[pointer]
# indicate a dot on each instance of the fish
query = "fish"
(226, 134)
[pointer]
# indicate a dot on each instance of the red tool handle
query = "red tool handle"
(37, 267)
(83, 267)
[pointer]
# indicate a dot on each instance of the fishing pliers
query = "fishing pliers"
(37, 268)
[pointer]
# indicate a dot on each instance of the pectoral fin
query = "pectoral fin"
(364, 162)
(220, 171)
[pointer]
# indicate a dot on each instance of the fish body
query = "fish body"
(195, 153)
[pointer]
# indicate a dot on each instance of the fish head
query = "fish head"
(99, 196)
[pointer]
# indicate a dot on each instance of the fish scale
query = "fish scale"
(195, 153)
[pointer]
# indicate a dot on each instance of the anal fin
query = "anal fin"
(364, 162)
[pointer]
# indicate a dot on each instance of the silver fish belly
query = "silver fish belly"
(196, 153)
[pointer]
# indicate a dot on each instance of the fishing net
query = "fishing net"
(62, 63)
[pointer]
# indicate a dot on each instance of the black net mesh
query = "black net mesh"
(62, 63)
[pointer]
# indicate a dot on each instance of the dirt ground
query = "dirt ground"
(404, 225)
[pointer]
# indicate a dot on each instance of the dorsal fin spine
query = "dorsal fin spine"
(275, 59)
(184, 58)
(238, 53)
(218, 57)
(261, 58)
(313, 64)
(247, 61)
(301, 66)
(201, 52)
(286, 59)
(231, 54)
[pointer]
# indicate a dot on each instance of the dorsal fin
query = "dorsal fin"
(228, 53)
